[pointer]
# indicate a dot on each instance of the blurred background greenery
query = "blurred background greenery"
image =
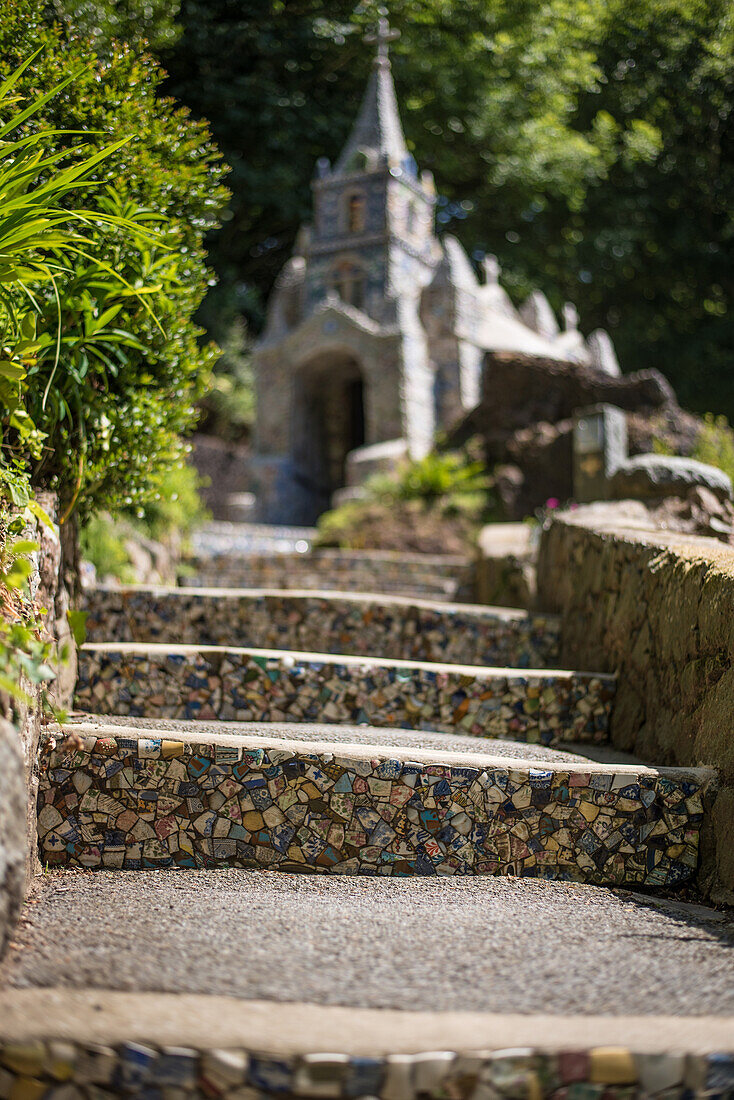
(587, 143)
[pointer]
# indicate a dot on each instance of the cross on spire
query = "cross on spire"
(383, 36)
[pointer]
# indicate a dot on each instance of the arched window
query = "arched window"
(411, 218)
(356, 213)
(349, 282)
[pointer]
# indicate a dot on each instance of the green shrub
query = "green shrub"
(715, 444)
(41, 238)
(171, 512)
(102, 543)
(449, 480)
(430, 505)
(113, 404)
(174, 506)
(228, 407)
(335, 526)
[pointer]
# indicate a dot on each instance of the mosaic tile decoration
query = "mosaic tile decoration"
(151, 681)
(330, 622)
(132, 801)
(60, 1068)
(422, 575)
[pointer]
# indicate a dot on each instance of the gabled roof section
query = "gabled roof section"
(378, 132)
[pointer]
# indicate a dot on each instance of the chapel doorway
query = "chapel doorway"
(329, 422)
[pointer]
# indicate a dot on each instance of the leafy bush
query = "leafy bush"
(115, 397)
(26, 648)
(127, 378)
(102, 543)
(430, 505)
(715, 444)
(167, 517)
(175, 505)
(447, 480)
(228, 407)
(141, 22)
(39, 239)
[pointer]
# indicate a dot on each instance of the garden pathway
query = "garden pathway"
(463, 847)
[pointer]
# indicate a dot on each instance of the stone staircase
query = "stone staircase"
(202, 796)
(331, 622)
(338, 732)
(433, 577)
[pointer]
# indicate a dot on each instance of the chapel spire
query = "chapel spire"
(377, 134)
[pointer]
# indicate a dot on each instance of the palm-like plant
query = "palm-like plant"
(448, 480)
(40, 238)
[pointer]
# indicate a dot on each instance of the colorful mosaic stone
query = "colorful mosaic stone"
(136, 1069)
(133, 801)
(433, 577)
(156, 681)
(324, 623)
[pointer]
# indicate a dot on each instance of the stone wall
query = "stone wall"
(72, 1066)
(19, 740)
(13, 845)
(658, 607)
(525, 422)
(422, 575)
(505, 569)
(260, 685)
(324, 622)
(129, 801)
(226, 470)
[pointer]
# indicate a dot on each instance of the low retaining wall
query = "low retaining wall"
(380, 571)
(130, 801)
(267, 686)
(323, 623)
(658, 607)
(14, 848)
(505, 568)
(19, 744)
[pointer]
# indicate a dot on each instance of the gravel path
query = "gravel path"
(369, 735)
(495, 945)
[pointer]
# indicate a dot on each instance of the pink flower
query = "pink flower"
(552, 503)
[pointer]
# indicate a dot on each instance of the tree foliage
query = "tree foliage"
(588, 143)
(150, 23)
(40, 238)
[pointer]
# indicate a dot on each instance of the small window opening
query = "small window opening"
(356, 214)
(349, 283)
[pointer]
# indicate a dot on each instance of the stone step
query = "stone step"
(324, 622)
(127, 800)
(236, 537)
(56, 1042)
(437, 577)
(389, 737)
(242, 684)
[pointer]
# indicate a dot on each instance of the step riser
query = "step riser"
(235, 685)
(130, 802)
(403, 575)
(323, 624)
(135, 1069)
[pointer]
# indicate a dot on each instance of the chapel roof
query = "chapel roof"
(377, 133)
